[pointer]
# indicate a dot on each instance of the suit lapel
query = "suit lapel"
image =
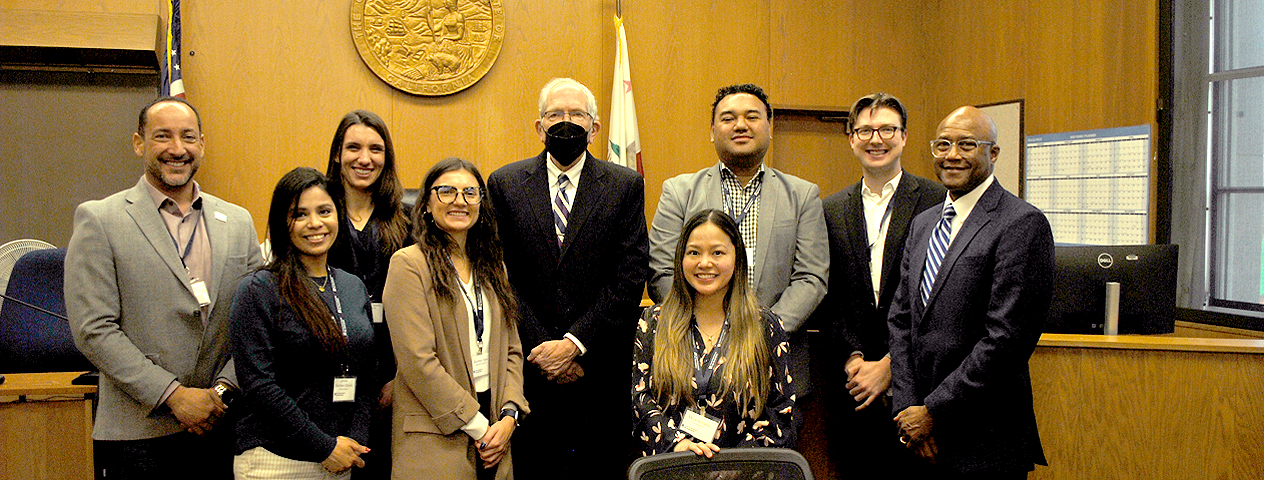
(771, 200)
(592, 183)
(458, 324)
(143, 211)
(979, 216)
(217, 235)
(854, 227)
(534, 188)
(901, 215)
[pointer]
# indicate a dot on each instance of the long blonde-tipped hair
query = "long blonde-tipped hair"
(745, 377)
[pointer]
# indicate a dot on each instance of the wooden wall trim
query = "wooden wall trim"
(96, 30)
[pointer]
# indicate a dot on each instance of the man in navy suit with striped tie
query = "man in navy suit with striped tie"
(573, 229)
(975, 288)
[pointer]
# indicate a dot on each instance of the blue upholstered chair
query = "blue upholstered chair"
(31, 340)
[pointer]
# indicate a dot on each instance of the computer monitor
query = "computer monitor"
(1147, 285)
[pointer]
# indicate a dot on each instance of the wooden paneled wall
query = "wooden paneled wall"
(273, 81)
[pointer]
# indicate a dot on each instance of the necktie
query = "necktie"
(561, 208)
(935, 254)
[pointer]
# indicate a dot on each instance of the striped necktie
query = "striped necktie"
(935, 254)
(561, 208)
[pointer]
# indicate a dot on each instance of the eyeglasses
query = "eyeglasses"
(885, 133)
(558, 115)
(447, 194)
(967, 147)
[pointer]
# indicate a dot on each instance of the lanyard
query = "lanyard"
(885, 215)
(704, 365)
(188, 247)
(476, 304)
(342, 321)
(753, 199)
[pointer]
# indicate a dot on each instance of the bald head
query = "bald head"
(974, 118)
(963, 171)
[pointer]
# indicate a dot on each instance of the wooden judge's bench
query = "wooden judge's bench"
(45, 427)
(1183, 405)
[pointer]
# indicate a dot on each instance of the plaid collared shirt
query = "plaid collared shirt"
(739, 205)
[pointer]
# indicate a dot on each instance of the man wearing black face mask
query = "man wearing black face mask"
(779, 215)
(573, 229)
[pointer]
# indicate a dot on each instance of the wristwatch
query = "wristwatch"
(511, 413)
(226, 392)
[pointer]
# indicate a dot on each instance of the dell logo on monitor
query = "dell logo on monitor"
(1105, 260)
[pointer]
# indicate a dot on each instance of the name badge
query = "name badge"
(480, 365)
(344, 389)
(377, 312)
(199, 292)
(699, 426)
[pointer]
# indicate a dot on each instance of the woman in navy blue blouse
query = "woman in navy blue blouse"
(301, 344)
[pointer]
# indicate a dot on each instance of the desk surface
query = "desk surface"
(56, 383)
(1154, 342)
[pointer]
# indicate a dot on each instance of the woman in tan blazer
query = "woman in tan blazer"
(450, 310)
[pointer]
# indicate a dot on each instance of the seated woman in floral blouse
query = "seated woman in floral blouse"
(719, 376)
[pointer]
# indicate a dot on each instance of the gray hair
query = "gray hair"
(558, 83)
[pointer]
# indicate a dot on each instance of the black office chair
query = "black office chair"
(729, 463)
(32, 340)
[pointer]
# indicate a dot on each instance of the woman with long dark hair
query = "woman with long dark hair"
(711, 367)
(458, 388)
(301, 344)
(366, 187)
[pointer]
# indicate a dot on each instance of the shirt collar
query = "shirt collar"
(887, 188)
(160, 198)
(964, 204)
(726, 172)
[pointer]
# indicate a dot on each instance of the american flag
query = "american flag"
(170, 81)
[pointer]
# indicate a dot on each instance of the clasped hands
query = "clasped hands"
(494, 444)
(197, 409)
(866, 381)
(915, 431)
(557, 359)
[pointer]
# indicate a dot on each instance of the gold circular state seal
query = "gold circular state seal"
(428, 47)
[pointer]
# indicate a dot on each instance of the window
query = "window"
(1236, 180)
(1218, 152)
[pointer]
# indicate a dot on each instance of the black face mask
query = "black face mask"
(566, 141)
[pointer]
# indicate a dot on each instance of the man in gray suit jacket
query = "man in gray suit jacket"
(150, 276)
(779, 215)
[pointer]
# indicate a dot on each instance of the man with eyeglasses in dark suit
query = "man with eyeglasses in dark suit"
(976, 284)
(867, 224)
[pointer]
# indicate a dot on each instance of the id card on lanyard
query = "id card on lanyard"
(696, 423)
(196, 285)
(344, 383)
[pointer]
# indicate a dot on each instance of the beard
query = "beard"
(169, 180)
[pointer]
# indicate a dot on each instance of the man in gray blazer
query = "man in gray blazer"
(150, 276)
(779, 215)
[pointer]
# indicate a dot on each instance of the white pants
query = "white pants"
(259, 463)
